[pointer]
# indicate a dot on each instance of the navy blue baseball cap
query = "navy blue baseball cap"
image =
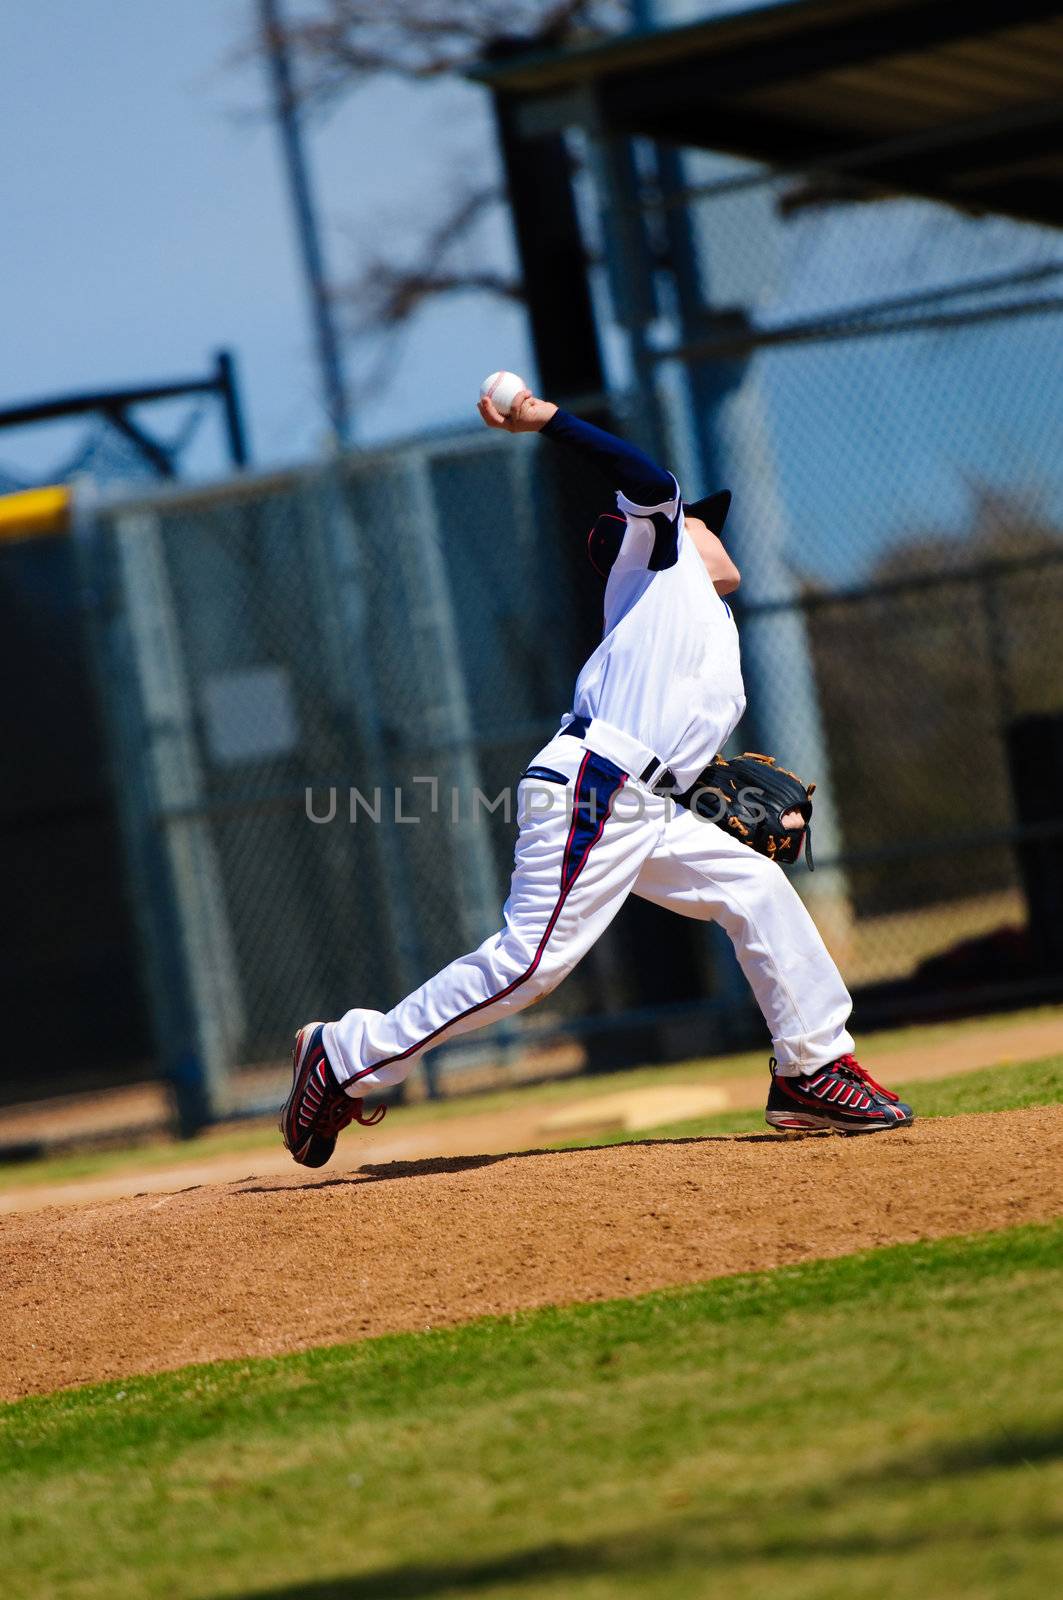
(607, 535)
(712, 511)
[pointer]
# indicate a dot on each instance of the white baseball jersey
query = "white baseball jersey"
(668, 669)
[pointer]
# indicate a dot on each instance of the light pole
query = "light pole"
(286, 110)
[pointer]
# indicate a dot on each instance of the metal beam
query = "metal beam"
(1016, 131)
(917, 165)
(699, 86)
(115, 404)
(72, 405)
(770, 31)
(799, 51)
(154, 453)
(822, 330)
(234, 417)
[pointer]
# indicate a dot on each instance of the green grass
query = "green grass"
(1032, 1083)
(881, 1427)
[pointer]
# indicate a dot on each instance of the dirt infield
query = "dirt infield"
(274, 1264)
(530, 1121)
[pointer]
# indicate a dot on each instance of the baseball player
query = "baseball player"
(597, 821)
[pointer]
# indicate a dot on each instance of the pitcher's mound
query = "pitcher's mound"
(272, 1264)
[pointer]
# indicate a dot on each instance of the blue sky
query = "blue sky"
(146, 222)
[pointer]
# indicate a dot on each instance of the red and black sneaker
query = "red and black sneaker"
(317, 1110)
(841, 1097)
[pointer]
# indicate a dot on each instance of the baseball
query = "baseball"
(500, 387)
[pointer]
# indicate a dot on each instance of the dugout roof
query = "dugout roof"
(957, 100)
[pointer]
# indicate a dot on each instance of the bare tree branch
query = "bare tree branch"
(349, 41)
(387, 293)
(397, 295)
(336, 46)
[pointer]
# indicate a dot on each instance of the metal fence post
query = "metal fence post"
(342, 619)
(436, 638)
(205, 951)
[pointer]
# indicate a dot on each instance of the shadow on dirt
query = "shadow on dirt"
(437, 1166)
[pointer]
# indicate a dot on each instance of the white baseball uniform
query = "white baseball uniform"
(663, 690)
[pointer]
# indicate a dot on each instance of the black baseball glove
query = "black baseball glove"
(749, 796)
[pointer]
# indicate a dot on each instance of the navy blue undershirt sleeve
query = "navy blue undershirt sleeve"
(628, 468)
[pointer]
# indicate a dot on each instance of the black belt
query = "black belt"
(665, 783)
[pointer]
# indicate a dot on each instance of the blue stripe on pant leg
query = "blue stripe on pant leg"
(597, 786)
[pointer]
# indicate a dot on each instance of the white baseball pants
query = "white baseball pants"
(590, 836)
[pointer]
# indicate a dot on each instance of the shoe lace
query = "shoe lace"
(371, 1118)
(335, 1117)
(852, 1068)
(345, 1110)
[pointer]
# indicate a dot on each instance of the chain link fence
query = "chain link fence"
(890, 411)
(320, 688)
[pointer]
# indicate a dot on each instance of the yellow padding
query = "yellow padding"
(35, 512)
